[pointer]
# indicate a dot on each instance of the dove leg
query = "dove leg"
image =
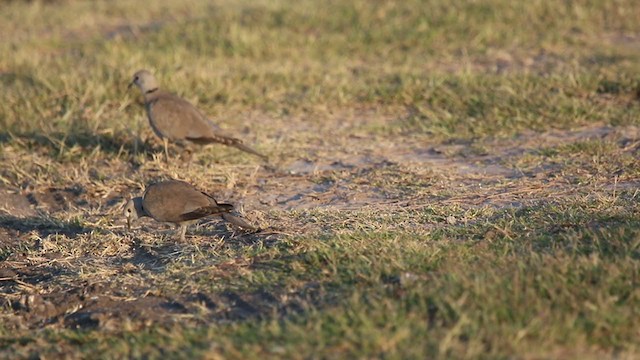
(165, 142)
(182, 231)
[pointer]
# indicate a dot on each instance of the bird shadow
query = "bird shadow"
(12, 78)
(11, 227)
(43, 225)
(151, 257)
(60, 143)
(231, 234)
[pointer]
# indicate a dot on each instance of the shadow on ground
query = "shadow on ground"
(59, 142)
(44, 226)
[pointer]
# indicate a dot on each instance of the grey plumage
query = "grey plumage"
(179, 203)
(177, 120)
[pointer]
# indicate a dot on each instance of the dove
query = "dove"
(179, 203)
(174, 119)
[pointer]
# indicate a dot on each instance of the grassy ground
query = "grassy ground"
(446, 180)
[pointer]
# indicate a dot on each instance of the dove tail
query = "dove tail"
(239, 145)
(238, 221)
(225, 207)
(229, 141)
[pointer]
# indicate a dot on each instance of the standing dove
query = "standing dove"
(179, 203)
(175, 119)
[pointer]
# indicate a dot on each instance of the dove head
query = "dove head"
(133, 210)
(145, 81)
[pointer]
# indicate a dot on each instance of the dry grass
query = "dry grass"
(446, 180)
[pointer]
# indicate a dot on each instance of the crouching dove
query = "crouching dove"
(177, 120)
(179, 203)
